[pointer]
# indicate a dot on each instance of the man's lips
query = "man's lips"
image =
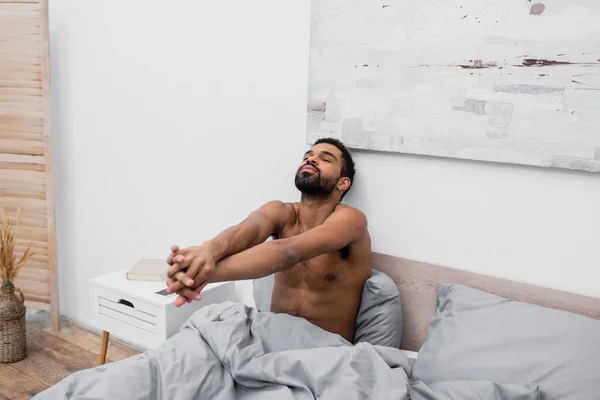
(308, 168)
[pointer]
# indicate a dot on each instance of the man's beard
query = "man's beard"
(314, 186)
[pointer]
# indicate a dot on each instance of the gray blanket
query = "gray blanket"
(231, 351)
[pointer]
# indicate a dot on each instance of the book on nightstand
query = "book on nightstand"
(148, 270)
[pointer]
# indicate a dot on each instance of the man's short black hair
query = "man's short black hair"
(347, 162)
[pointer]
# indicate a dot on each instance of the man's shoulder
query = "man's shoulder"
(279, 209)
(349, 217)
(347, 208)
(349, 211)
(282, 205)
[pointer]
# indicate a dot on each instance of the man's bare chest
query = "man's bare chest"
(322, 273)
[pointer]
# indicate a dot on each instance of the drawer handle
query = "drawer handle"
(125, 302)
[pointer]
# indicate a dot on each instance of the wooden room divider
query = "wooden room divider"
(25, 147)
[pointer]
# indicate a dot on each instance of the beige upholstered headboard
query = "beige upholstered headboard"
(417, 282)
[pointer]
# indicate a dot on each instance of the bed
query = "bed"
(417, 283)
(460, 335)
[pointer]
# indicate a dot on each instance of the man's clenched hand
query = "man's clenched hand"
(190, 270)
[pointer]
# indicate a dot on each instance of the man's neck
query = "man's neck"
(313, 211)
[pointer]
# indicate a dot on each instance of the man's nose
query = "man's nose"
(312, 160)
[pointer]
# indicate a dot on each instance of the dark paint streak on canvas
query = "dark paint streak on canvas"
(537, 9)
(527, 62)
(534, 62)
(478, 64)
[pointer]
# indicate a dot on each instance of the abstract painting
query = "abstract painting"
(513, 81)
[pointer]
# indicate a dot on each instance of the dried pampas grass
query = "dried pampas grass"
(9, 267)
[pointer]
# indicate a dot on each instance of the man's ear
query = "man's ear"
(343, 183)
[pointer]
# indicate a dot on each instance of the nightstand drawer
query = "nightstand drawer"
(126, 304)
(124, 312)
(127, 308)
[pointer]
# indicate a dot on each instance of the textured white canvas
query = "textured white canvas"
(513, 81)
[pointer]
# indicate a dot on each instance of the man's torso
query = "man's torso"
(325, 290)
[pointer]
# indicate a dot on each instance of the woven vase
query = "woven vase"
(13, 339)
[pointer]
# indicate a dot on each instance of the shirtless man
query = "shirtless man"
(320, 252)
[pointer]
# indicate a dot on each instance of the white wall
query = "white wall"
(171, 124)
(522, 223)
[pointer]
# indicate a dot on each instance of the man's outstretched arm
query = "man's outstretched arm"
(340, 229)
(254, 229)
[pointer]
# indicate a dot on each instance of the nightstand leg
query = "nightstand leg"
(102, 356)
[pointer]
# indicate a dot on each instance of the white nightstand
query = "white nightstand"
(134, 312)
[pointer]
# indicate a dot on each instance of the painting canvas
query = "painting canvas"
(514, 81)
